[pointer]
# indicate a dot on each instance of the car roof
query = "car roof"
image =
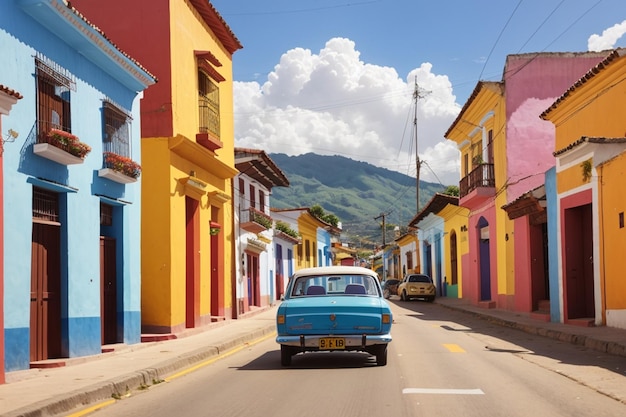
(335, 270)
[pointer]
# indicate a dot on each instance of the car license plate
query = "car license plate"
(332, 343)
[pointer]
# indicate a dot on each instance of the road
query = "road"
(441, 363)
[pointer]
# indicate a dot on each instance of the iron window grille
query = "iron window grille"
(116, 137)
(208, 105)
(45, 205)
(53, 97)
(106, 214)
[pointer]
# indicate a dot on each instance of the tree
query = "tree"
(452, 190)
(319, 212)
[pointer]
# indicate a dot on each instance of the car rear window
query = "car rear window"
(349, 285)
(420, 278)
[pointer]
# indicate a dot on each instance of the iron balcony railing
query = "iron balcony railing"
(255, 216)
(480, 177)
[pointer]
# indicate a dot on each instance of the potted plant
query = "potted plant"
(67, 142)
(122, 164)
(214, 228)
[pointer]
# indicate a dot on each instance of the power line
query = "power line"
(498, 39)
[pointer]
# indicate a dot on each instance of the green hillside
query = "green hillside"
(356, 192)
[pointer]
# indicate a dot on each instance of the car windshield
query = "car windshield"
(349, 285)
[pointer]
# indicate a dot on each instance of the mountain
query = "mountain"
(356, 192)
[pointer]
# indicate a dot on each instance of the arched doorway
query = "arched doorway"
(484, 259)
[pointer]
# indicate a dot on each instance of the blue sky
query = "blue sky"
(337, 76)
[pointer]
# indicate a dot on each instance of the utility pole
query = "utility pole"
(417, 94)
(382, 215)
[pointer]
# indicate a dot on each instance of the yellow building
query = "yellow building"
(188, 157)
(480, 136)
(456, 247)
(591, 161)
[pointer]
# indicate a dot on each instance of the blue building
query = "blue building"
(72, 195)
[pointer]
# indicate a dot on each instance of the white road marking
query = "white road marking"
(476, 391)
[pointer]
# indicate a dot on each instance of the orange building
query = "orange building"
(590, 152)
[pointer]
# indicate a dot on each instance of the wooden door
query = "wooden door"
(108, 291)
(45, 296)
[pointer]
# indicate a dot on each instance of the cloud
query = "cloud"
(332, 103)
(608, 39)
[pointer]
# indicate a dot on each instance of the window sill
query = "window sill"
(51, 152)
(208, 141)
(113, 175)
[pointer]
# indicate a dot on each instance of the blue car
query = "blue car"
(334, 308)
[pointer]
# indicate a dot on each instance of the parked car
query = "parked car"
(334, 308)
(417, 286)
(390, 287)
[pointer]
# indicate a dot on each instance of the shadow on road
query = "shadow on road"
(312, 360)
(525, 343)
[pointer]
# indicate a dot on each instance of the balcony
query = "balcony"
(61, 147)
(255, 221)
(478, 186)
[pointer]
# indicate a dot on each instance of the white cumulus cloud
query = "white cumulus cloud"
(332, 103)
(608, 39)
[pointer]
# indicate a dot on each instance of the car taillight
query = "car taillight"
(386, 318)
(280, 319)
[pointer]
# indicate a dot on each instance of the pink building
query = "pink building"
(505, 151)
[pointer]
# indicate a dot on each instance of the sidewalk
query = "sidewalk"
(88, 381)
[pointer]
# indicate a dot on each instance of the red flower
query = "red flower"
(122, 164)
(68, 142)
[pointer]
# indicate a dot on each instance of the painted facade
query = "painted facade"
(187, 134)
(532, 81)
(286, 241)
(409, 257)
(478, 132)
(8, 98)
(259, 275)
(508, 253)
(75, 212)
(342, 254)
(590, 159)
(314, 246)
(431, 228)
(455, 248)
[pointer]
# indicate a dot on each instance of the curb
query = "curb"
(603, 346)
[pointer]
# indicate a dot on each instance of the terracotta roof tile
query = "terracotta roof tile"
(10, 92)
(586, 139)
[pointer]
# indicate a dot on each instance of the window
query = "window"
(490, 146)
(409, 260)
(252, 196)
(454, 264)
(307, 253)
(242, 190)
(106, 214)
(116, 137)
(261, 201)
(53, 98)
(45, 205)
(209, 105)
